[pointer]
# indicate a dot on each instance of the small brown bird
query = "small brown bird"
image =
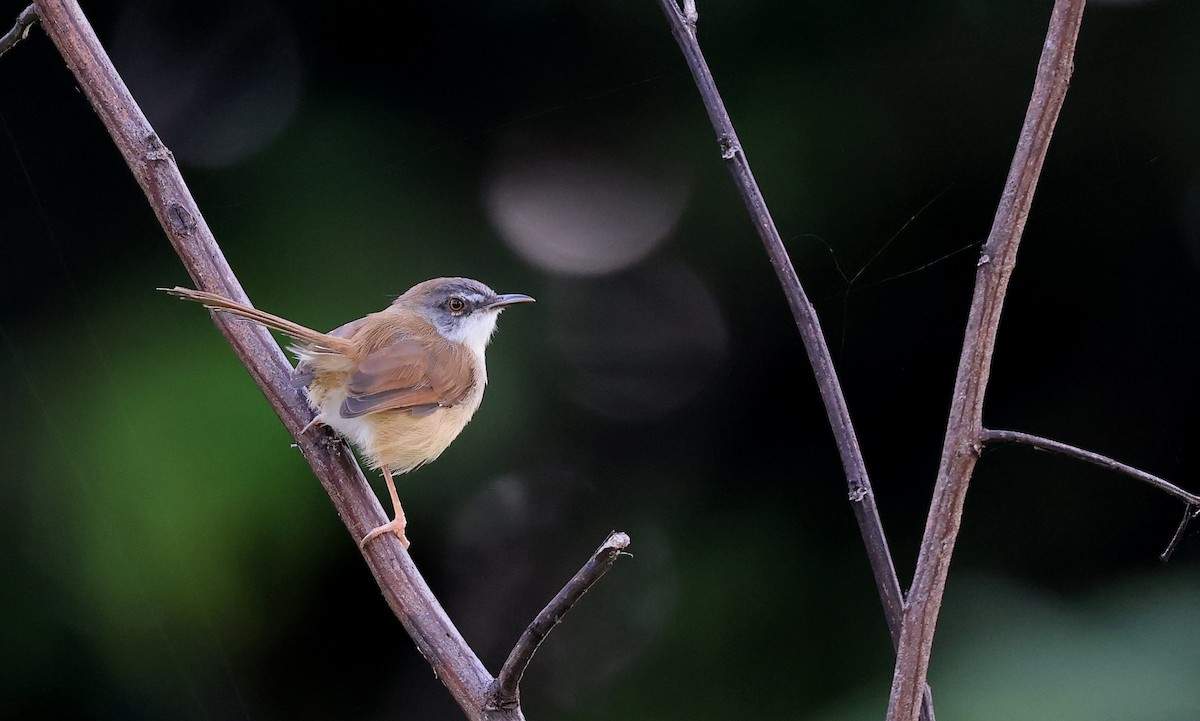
(400, 384)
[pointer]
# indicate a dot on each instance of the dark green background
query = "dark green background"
(167, 555)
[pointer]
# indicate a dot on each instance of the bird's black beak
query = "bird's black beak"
(507, 299)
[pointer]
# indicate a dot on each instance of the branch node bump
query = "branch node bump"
(729, 147)
(156, 151)
(690, 15)
(182, 221)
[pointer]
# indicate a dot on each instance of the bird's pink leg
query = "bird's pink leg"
(397, 524)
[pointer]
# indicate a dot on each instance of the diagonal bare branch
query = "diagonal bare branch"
(156, 172)
(154, 168)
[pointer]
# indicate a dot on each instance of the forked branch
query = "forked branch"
(964, 429)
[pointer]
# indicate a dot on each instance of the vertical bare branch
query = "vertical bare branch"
(964, 432)
(862, 497)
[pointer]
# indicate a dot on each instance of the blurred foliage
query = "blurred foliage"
(169, 555)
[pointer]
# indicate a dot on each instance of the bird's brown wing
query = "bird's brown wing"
(302, 375)
(406, 375)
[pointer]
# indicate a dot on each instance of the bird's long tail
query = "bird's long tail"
(317, 342)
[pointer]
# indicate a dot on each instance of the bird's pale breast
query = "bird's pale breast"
(399, 439)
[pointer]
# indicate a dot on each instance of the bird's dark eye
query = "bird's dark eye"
(456, 304)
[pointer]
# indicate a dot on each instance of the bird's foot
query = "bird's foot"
(397, 527)
(317, 419)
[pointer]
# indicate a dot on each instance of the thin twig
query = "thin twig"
(964, 429)
(1191, 500)
(506, 691)
(1189, 514)
(990, 437)
(862, 497)
(20, 30)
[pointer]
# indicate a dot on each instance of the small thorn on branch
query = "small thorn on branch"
(505, 691)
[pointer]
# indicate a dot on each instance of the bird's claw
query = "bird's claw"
(397, 527)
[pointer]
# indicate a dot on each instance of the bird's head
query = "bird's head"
(461, 309)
